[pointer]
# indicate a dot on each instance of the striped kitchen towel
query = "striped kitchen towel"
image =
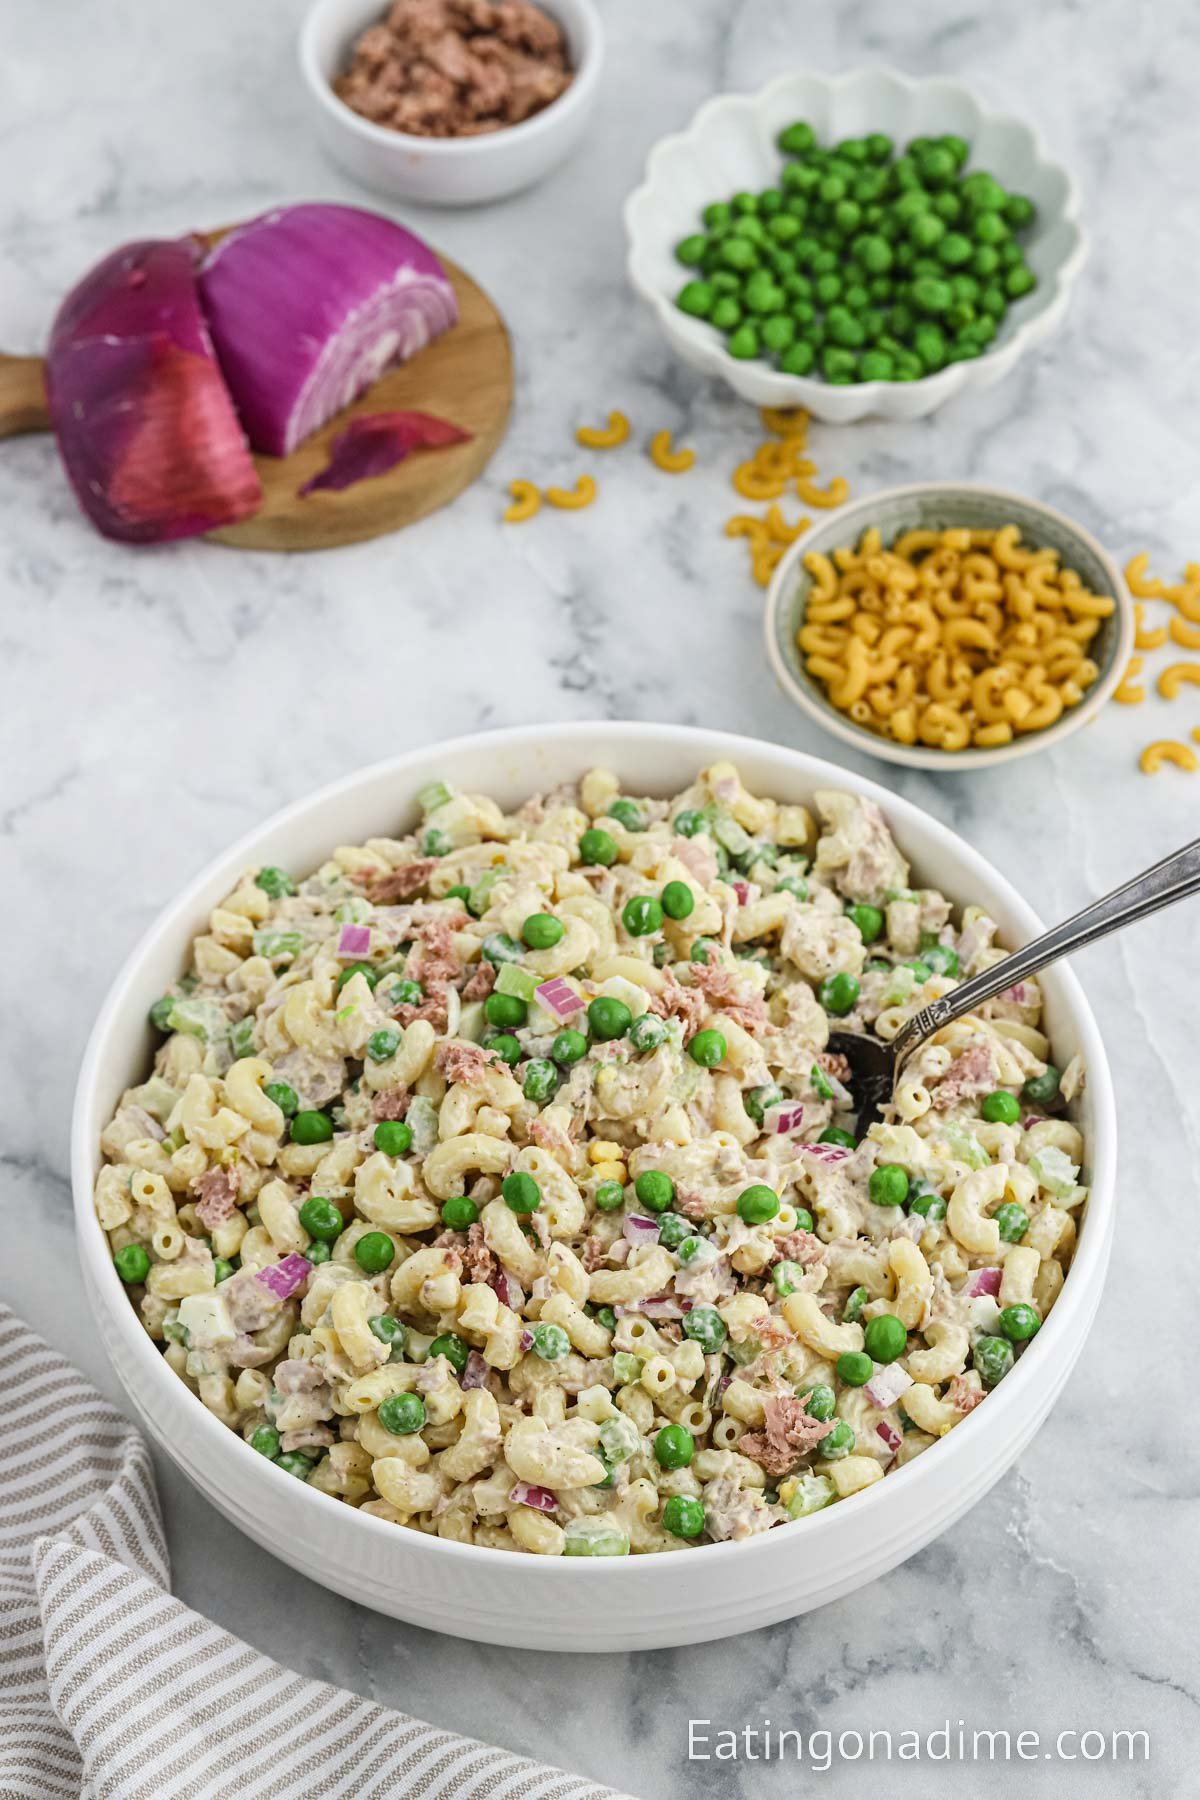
(110, 1687)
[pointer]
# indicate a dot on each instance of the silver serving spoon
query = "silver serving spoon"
(875, 1066)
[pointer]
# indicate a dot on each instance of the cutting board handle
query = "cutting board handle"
(22, 395)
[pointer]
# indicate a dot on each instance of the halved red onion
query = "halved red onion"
(541, 1499)
(354, 940)
(308, 305)
(145, 424)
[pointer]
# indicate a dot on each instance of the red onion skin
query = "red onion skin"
(287, 293)
(373, 443)
(145, 424)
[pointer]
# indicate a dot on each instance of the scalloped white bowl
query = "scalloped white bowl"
(730, 145)
(554, 1603)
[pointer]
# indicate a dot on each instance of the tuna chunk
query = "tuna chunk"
(218, 1191)
(789, 1432)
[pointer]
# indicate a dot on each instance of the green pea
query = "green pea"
(930, 1206)
(690, 250)
(674, 1447)
(393, 1137)
(743, 343)
(727, 314)
(827, 289)
(885, 1338)
(312, 1128)
(994, 301)
(888, 1185)
(383, 1044)
(738, 253)
(869, 920)
(389, 1331)
(374, 1252)
(404, 992)
(786, 1277)
(932, 294)
(609, 1196)
(1019, 281)
(697, 298)
(854, 1305)
(804, 1219)
(778, 332)
(839, 993)
(1042, 1089)
(608, 1018)
(798, 139)
(678, 901)
(541, 1080)
(286, 1098)
(1019, 211)
(834, 1134)
(266, 1441)
(717, 214)
(402, 1414)
(628, 814)
(647, 1032)
(705, 1326)
(941, 959)
(521, 1192)
(505, 1046)
(689, 823)
(1000, 1108)
(275, 882)
(568, 1047)
(798, 360)
(920, 969)
(762, 295)
(838, 1442)
(459, 892)
(598, 847)
(222, 1270)
(607, 1317)
(983, 191)
(925, 230)
(683, 1517)
(757, 1204)
(937, 166)
(317, 1252)
(452, 1347)
(1013, 1222)
(321, 1218)
(855, 1368)
(791, 884)
(654, 1189)
(505, 1009)
(550, 1342)
(641, 915)
(1019, 1323)
(756, 1100)
(459, 1213)
(160, 1013)
(499, 948)
(707, 1048)
(672, 1230)
(132, 1264)
(542, 931)
(992, 1358)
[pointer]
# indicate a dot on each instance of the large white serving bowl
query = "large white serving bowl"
(497, 1596)
(464, 171)
(730, 146)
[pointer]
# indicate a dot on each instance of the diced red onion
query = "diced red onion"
(526, 1339)
(475, 1373)
(1029, 1120)
(826, 1153)
(308, 305)
(509, 1290)
(640, 1230)
(886, 1385)
(145, 424)
(558, 997)
(541, 1499)
(983, 1281)
(890, 1435)
(283, 1278)
(373, 443)
(354, 940)
(742, 890)
(1021, 994)
(787, 1117)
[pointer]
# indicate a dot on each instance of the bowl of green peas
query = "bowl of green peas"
(859, 245)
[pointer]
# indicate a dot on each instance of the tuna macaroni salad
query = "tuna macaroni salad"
(498, 1181)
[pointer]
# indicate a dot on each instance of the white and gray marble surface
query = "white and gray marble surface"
(156, 704)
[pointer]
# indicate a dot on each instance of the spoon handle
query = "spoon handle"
(1174, 878)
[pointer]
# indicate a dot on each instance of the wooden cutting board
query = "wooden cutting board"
(464, 376)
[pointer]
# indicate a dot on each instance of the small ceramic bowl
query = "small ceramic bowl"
(464, 171)
(730, 145)
(936, 505)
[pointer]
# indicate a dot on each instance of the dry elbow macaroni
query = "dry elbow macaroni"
(950, 638)
(496, 1178)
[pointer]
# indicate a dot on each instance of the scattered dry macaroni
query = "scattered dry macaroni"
(573, 499)
(1167, 750)
(778, 464)
(604, 437)
(1130, 692)
(673, 462)
(950, 638)
(496, 1178)
(526, 501)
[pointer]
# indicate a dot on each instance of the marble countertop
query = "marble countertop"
(157, 704)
